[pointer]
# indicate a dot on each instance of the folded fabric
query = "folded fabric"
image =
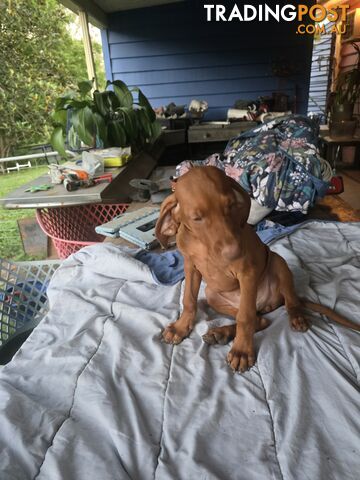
(269, 231)
(166, 268)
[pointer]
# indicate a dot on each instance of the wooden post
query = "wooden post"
(89, 56)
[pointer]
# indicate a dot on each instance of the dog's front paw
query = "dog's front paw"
(299, 323)
(175, 333)
(241, 356)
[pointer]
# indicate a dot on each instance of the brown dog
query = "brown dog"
(208, 214)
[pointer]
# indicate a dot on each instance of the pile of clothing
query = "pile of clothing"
(277, 163)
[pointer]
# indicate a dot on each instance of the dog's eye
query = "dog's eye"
(197, 219)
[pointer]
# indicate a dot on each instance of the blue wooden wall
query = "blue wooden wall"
(173, 54)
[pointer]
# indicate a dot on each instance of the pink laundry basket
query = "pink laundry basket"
(72, 228)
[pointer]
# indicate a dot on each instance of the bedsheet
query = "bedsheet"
(94, 394)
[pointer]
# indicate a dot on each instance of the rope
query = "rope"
(326, 170)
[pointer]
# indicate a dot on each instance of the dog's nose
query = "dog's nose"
(230, 251)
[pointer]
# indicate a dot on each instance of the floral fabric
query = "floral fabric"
(277, 163)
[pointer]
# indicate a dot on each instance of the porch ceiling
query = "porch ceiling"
(97, 10)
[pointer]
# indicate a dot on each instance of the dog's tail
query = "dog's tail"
(316, 307)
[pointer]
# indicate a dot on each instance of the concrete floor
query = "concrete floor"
(351, 193)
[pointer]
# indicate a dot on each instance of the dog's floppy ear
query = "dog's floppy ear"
(243, 199)
(168, 221)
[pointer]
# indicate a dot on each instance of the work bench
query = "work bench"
(118, 191)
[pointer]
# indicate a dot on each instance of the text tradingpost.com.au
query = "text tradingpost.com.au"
(303, 14)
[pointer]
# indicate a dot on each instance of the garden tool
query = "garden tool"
(72, 182)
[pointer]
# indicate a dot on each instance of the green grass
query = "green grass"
(10, 240)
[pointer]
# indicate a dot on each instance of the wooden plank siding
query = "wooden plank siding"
(173, 54)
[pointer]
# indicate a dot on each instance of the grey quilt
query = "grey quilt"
(94, 394)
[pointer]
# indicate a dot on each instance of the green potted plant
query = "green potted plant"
(116, 117)
(347, 92)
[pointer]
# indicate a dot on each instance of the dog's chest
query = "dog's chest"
(215, 275)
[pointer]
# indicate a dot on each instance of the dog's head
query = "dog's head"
(209, 206)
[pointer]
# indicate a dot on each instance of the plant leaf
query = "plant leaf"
(80, 103)
(101, 103)
(63, 102)
(123, 93)
(156, 131)
(85, 126)
(144, 123)
(73, 138)
(144, 102)
(117, 134)
(101, 129)
(74, 118)
(85, 87)
(130, 123)
(112, 100)
(57, 141)
(88, 118)
(59, 117)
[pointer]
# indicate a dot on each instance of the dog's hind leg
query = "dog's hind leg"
(224, 335)
(220, 335)
(287, 290)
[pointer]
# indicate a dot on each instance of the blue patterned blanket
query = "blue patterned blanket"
(277, 163)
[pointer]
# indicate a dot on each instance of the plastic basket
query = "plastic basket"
(23, 297)
(72, 228)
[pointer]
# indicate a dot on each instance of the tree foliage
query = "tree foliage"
(39, 60)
